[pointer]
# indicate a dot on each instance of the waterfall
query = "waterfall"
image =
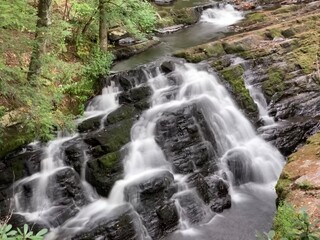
(39, 204)
(223, 16)
(248, 160)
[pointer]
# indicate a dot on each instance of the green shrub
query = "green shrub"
(7, 233)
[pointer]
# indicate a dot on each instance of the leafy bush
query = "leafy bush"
(7, 233)
(291, 225)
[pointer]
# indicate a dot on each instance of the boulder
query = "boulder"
(103, 172)
(150, 196)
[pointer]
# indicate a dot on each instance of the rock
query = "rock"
(116, 34)
(167, 67)
(289, 134)
(193, 208)
(64, 192)
(75, 154)
(170, 29)
(18, 221)
(122, 223)
(126, 51)
(90, 124)
(135, 95)
(19, 164)
(212, 190)
(122, 113)
(240, 165)
(163, 2)
(150, 196)
(127, 41)
(103, 172)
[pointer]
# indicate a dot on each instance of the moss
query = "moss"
(202, 52)
(255, 17)
(171, 16)
(14, 137)
(233, 75)
(305, 185)
(232, 48)
(275, 82)
(273, 33)
(109, 160)
(282, 188)
(314, 140)
(287, 33)
(124, 112)
(118, 135)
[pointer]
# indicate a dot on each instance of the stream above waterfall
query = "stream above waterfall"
(212, 25)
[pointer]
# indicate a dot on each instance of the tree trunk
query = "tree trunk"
(103, 26)
(43, 23)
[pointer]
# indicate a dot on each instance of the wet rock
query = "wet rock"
(150, 196)
(18, 221)
(135, 95)
(194, 209)
(180, 137)
(75, 154)
(289, 134)
(90, 124)
(103, 172)
(122, 223)
(167, 67)
(240, 166)
(18, 165)
(212, 190)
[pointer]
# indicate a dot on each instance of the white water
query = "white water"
(40, 205)
(232, 130)
(222, 17)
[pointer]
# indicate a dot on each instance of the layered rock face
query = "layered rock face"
(96, 155)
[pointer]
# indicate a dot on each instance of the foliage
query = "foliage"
(6, 233)
(291, 225)
(136, 16)
(18, 14)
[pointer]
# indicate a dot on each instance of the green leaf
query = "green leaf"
(25, 229)
(42, 232)
(8, 228)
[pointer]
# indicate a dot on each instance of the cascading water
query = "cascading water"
(40, 203)
(223, 16)
(252, 165)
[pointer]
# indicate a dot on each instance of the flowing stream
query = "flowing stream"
(212, 25)
(251, 178)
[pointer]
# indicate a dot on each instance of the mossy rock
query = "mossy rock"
(112, 138)
(233, 75)
(282, 189)
(273, 33)
(13, 137)
(202, 52)
(103, 172)
(275, 82)
(122, 113)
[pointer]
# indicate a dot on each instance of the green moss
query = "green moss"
(202, 52)
(233, 75)
(118, 135)
(255, 17)
(232, 48)
(124, 112)
(305, 185)
(282, 188)
(273, 33)
(14, 137)
(109, 160)
(275, 82)
(184, 16)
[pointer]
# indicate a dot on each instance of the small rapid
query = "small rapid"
(223, 16)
